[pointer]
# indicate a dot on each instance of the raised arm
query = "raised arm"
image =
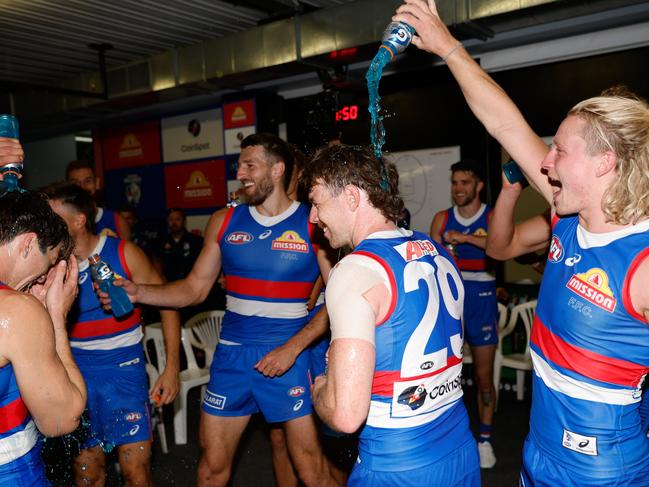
(35, 341)
(505, 239)
(144, 272)
(487, 100)
(196, 286)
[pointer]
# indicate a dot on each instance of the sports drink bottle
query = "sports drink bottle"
(104, 276)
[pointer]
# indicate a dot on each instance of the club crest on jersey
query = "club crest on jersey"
(239, 238)
(290, 241)
(416, 249)
(556, 250)
(593, 286)
(413, 396)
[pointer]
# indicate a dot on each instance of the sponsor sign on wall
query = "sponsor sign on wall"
(239, 114)
(196, 135)
(135, 145)
(196, 185)
(233, 138)
(140, 187)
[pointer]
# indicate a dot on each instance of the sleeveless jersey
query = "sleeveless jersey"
(107, 222)
(416, 414)
(471, 260)
(94, 330)
(590, 351)
(18, 433)
(270, 266)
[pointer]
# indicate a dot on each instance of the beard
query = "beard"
(466, 199)
(263, 190)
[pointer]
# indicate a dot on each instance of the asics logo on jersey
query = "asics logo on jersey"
(413, 397)
(556, 250)
(239, 238)
(298, 405)
(265, 235)
(584, 444)
(571, 261)
(83, 277)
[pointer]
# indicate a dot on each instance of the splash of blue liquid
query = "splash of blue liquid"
(373, 77)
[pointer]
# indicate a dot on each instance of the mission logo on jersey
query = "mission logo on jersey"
(593, 286)
(290, 241)
(480, 232)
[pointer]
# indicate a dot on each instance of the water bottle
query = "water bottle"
(103, 275)
(396, 37)
(10, 172)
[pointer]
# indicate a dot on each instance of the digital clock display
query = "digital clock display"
(347, 113)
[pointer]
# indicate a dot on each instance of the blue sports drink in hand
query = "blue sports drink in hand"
(10, 172)
(103, 275)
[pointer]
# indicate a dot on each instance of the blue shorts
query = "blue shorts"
(26, 471)
(542, 470)
(480, 313)
(118, 410)
(236, 388)
(459, 469)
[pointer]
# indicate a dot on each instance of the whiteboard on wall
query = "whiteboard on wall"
(425, 182)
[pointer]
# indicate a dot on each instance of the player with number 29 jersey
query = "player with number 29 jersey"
(417, 420)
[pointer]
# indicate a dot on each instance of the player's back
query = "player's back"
(417, 415)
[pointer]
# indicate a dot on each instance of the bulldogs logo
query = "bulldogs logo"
(413, 397)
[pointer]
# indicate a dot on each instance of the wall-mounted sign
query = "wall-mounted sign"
(135, 145)
(233, 138)
(196, 185)
(239, 114)
(197, 135)
(140, 187)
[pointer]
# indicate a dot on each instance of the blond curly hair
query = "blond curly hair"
(618, 121)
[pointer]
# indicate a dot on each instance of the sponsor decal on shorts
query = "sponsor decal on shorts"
(556, 250)
(290, 241)
(130, 362)
(592, 285)
(298, 405)
(133, 416)
(215, 401)
(296, 391)
(586, 445)
(239, 238)
(134, 430)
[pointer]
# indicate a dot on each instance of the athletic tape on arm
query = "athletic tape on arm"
(350, 314)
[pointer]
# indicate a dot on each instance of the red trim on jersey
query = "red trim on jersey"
(585, 362)
(393, 282)
(122, 258)
(555, 219)
(311, 231)
(383, 383)
(224, 224)
(107, 326)
(471, 264)
(12, 415)
(626, 288)
(268, 289)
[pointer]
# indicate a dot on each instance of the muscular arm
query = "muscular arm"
(488, 101)
(49, 381)
(196, 286)
(436, 227)
(144, 272)
(123, 229)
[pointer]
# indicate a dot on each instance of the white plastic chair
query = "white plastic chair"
(154, 333)
(200, 331)
(521, 362)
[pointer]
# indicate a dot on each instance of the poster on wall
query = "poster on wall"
(233, 138)
(139, 187)
(131, 146)
(425, 182)
(239, 114)
(196, 135)
(196, 185)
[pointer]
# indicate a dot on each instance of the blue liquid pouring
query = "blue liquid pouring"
(373, 77)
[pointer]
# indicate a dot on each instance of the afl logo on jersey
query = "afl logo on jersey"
(413, 397)
(296, 391)
(133, 417)
(556, 250)
(239, 238)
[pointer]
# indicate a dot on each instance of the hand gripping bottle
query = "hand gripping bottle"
(103, 275)
(10, 172)
(396, 37)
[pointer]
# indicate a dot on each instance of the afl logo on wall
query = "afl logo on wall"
(556, 250)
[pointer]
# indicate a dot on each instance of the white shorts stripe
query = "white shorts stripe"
(263, 309)
(564, 384)
(20, 443)
(133, 337)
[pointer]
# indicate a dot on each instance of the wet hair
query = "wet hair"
(339, 165)
(469, 165)
(276, 150)
(80, 200)
(618, 121)
(29, 212)
(79, 164)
